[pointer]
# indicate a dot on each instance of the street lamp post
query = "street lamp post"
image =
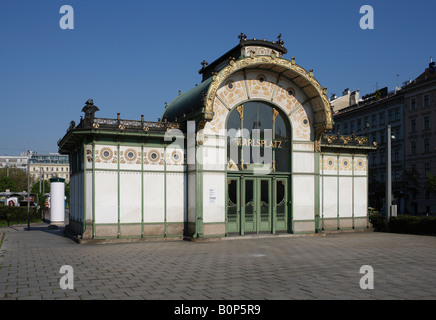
(388, 205)
(28, 194)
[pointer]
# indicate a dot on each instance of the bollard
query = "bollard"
(57, 202)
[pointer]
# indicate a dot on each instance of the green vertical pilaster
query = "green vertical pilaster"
(352, 190)
(322, 191)
(165, 191)
(118, 189)
(84, 184)
(316, 195)
(199, 193)
(142, 189)
(337, 192)
(93, 188)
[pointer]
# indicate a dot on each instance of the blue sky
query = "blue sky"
(132, 56)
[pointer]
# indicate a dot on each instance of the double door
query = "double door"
(257, 204)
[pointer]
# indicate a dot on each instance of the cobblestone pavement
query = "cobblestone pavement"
(309, 268)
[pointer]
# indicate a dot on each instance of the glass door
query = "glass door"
(233, 205)
(264, 204)
(249, 206)
(281, 204)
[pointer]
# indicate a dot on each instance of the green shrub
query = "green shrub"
(17, 215)
(378, 221)
(412, 225)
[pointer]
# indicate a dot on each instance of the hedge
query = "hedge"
(405, 224)
(18, 215)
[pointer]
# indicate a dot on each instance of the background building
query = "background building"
(410, 110)
(49, 165)
(41, 166)
(420, 139)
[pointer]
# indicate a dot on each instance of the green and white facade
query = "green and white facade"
(187, 177)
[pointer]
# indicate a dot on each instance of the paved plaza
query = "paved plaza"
(294, 268)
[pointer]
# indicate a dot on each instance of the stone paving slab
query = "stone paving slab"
(282, 268)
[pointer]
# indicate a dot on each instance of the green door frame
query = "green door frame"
(236, 220)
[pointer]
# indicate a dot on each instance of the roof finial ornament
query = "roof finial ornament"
(89, 109)
(204, 63)
(242, 36)
(280, 41)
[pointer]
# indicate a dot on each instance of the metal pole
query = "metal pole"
(43, 194)
(28, 195)
(388, 174)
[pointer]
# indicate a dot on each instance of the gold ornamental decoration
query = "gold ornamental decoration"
(233, 66)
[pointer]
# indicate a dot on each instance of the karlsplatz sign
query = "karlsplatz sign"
(262, 143)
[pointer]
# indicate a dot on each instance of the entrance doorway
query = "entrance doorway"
(257, 204)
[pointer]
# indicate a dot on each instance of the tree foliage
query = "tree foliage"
(7, 183)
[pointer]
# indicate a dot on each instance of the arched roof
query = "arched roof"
(201, 98)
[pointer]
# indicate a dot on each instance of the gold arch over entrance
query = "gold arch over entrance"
(316, 95)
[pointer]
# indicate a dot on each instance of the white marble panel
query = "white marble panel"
(106, 197)
(345, 197)
(130, 197)
(303, 197)
(360, 197)
(330, 197)
(303, 162)
(154, 197)
(214, 197)
(175, 197)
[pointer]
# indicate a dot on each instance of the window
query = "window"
(397, 175)
(366, 121)
(374, 120)
(345, 128)
(426, 169)
(359, 125)
(352, 126)
(412, 104)
(374, 157)
(426, 145)
(397, 114)
(413, 147)
(382, 118)
(391, 115)
(413, 125)
(396, 154)
(426, 123)
(255, 128)
(426, 101)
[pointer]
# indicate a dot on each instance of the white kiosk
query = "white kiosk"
(57, 202)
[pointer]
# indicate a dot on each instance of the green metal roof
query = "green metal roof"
(187, 102)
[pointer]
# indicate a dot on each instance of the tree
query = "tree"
(19, 177)
(7, 183)
(44, 187)
(430, 183)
